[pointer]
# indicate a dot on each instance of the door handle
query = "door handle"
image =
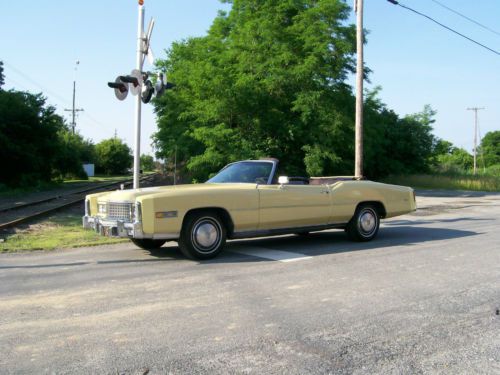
(325, 192)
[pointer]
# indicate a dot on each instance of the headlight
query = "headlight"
(137, 212)
(101, 208)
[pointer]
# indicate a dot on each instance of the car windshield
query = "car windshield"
(256, 172)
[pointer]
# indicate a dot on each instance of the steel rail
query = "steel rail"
(59, 196)
(35, 215)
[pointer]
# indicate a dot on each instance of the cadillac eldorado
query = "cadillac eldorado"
(245, 199)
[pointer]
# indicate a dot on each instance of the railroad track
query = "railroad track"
(17, 214)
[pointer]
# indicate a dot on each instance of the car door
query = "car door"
(290, 206)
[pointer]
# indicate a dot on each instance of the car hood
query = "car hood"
(132, 194)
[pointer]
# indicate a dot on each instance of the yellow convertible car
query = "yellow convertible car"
(245, 199)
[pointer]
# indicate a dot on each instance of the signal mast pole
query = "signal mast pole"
(139, 63)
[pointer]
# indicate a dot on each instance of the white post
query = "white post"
(137, 150)
(358, 153)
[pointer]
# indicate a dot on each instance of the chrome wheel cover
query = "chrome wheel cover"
(206, 235)
(367, 222)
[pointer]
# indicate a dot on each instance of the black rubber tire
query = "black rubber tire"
(147, 243)
(189, 241)
(355, 229)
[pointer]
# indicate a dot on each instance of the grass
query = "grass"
(448, 182)
(99, 178)
(57, 232)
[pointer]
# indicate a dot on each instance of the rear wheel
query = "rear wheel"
(203, 235)
(147, 243)
(364, 224)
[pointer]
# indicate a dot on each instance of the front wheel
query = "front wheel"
(147, 243)
(203, 235)
(364, 224)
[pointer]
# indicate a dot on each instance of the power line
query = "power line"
(60, 98)
(45, 90)
(467, 18)
(446, 27)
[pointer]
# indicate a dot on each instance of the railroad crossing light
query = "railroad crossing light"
(120, 87)
(161, 85)
(135, 81)
(139, 84)
(147, 91)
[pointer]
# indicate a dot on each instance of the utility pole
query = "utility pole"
(358, 154)
(74, 110)
(475, 109)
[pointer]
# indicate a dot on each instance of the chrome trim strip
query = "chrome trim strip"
(304, 206)
(281, 231)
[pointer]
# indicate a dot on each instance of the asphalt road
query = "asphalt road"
(421, 298)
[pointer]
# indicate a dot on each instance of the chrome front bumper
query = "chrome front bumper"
(113, 228)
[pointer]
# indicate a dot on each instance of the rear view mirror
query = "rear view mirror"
(283, 180)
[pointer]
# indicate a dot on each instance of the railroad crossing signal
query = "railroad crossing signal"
(138, 83)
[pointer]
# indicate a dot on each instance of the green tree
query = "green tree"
(74, 150)
(456, 161)
(394, 145)
(490, 148)
(440, 147)
(147, 163)
(35, 143)
(28, 138)
(112, 156)
(267, 80)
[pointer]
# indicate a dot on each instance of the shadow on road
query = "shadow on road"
(158, 255)
(336, 242)
(426, 222)
(314, 244)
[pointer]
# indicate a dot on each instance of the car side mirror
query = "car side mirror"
(283, 180)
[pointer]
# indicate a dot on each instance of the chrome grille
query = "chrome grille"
(120, 211)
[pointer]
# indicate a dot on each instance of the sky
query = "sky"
(415, 61)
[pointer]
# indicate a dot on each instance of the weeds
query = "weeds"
(449, 182)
